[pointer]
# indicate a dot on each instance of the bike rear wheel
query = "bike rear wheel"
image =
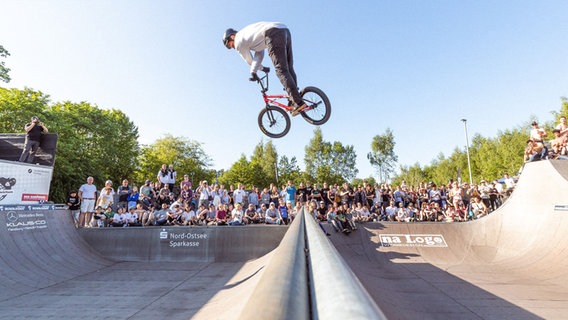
(274, 122)
(319, 107)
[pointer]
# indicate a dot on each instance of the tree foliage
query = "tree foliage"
(382, 156)
(326, 161)
(92, 141)
(4, 71)
(187, 157)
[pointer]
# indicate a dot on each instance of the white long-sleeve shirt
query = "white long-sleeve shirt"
(251, 38)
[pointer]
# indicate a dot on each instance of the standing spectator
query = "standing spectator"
(74, 205)
(88, 195)
(265, 197)
(205, 194)
(283, 212)
(124, 191)
(163, 175)
(291, 192)
(239, 195)
(186, 182)
(106, 197)
(485, 193)
(171, 177)
(274, 195)
(253, 198)
(34, 130)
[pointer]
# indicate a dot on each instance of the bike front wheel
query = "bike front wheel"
(274, 122)
(318, 108)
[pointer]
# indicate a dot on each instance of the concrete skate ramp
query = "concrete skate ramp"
(512, 264)
(48, 270)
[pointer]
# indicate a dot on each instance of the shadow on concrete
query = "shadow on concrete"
(407, 287)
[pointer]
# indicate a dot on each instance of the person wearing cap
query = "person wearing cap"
(34, 131)
(106, 198)
(271, 214)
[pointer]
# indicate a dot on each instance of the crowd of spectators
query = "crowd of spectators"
(165, 202)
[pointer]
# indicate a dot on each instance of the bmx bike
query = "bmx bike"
(274, 120)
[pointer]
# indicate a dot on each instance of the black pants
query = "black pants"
(279, 47)
(30, 149)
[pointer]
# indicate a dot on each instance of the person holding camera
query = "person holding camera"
(34, 130)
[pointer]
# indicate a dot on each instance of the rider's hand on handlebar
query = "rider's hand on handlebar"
(265, 69)
(254, 77)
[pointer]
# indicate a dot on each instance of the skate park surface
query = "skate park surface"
(512, 264)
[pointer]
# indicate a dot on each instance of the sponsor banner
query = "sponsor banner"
(22, 183)
(27, 207)
(25, 220)
(413, 240)
(561, 207)
(180, 239)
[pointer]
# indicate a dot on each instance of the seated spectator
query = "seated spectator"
(99, 217)
(478, 208)
(133, 197)
(108, 216)
(262, 212)
(292, 212)
(402, 213)
(449, 214)
(332, 219)
(159, 217)
(147, 194)
(535, 151)
(321, 212)
(237, 215)
(349, 216)
(425, 214)
(272, 216)
(211, 214)
(119, 218)
(342, 220)
(391, 211)
(559, 143)
(283, 212)
(132, 217)
(251, 215)
(189, 216)
(221, 215)
(174, 215)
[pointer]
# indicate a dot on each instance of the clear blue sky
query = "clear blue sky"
(417, 67)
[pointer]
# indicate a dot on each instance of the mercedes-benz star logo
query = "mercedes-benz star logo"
(12, 216)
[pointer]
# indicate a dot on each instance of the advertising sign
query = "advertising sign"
(22, 183)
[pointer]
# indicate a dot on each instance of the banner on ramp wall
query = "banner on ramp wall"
(22, 183)
(25, 217)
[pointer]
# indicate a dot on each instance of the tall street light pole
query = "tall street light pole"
(467, 150)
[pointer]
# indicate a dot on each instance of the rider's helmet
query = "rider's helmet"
(227, 36)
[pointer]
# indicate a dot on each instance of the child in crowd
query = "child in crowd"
(74, 204)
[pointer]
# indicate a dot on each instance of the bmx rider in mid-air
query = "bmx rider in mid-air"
(275, 37)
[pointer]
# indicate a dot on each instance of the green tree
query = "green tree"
(382, 156)
(4, 72)
(187, 156)
(326, 161)
(243, 171)
(18, 106)
(92, 142)
(266, 156)
(288, 169)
